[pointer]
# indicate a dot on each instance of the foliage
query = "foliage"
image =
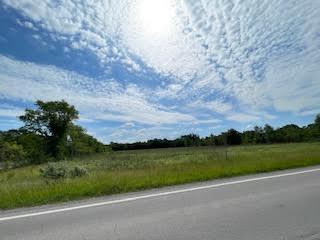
(78, 171)
(11, 153)
(51, 120)
(80, 143)
(34, 147)
(57, 171)
(259, 135)
(48, 135)
(233, 137)
(53, 171)
(124, 171)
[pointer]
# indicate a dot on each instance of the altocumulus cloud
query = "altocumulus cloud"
(239, 61)
(97, 100)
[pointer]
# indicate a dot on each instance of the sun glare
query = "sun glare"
(156, 16)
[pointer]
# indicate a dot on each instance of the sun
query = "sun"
(156, 16)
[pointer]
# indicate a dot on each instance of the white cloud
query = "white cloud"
(88, 25)
(101, 100)
(293, 87)
(216, 106)
(27, 24)
(244, 40)
(242, 117)
(230, 47)
(264, 55)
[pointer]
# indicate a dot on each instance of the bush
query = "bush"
(57, 171)
(78, 172)
(53, 171)
(34, 146)
(12, 154)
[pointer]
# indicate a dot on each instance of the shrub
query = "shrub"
(12, 154)
(53, 171)
(78, 172)
(34, 146)
(57, 171)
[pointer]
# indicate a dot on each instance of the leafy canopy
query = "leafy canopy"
(51, 120)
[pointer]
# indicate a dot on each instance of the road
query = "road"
(280, 205)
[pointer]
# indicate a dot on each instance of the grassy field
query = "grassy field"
(135, 170)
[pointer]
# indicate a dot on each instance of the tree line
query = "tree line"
(259, 135)
(48, 134)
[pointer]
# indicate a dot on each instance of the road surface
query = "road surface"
(279, 206)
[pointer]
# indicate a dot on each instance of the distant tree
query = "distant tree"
(51, 120)
(248, 137)
(191, 140)
(289, 133)
(220, 139)
(259, 135)
(268, 133)
(317, 120)
(233, 137)
(316, 128)
(208, 141)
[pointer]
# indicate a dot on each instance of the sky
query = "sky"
(143, 69)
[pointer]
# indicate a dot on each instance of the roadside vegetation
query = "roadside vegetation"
(48, 135)
(125, 171)
(51, 159)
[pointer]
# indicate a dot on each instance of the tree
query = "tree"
(80, 143)
(269, 133)
(316, 127)
(233, 137)
(289, 133)
(190, 140)
(259, 135)
(51, 120)
(317, 120)
(249, 137)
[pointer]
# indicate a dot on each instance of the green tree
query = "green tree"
(51, 120)
(269, 133)
(248, 137)
(190, 140)
(317, 120)
(259, 135)
(316, 127)
(233, 137)
(80, 143)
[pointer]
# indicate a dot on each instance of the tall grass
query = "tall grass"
(135, 170)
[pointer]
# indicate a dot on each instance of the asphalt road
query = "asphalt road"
(280, 205)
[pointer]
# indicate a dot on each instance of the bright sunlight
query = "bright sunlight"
(155, 17)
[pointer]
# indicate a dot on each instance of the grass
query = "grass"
(136, 170)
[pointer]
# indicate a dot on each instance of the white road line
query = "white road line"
(156, 195)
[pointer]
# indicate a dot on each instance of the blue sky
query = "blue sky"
(152, 69)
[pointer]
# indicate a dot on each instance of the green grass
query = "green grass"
(136, 170)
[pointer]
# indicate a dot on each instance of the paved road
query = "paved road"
(254, 207)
